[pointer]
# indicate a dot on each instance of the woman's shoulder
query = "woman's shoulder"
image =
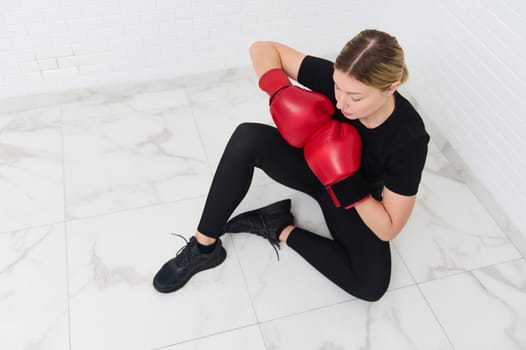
(410, 127)
(315, 73)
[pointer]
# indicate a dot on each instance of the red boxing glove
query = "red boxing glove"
(297, 112)
(334, 154)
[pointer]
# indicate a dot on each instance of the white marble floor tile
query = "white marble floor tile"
(483, 309)
(135, 159)
(136, 162)
(31, 181)
(244, 338)
(400, 275)
(450, 231)
(437, 163)
(220, 108)
(112, 261)
(291, 285)
(33, 289)
(121, 101)
(400, 320)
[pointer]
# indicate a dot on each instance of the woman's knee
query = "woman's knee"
(374, 294)
(248, 138)
(367, 288)
(366, 293)
(373, 289)
(246, 133)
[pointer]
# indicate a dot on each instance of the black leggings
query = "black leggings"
(356, 260)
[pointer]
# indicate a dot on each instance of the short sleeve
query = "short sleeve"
(316, 74)
(405, 167)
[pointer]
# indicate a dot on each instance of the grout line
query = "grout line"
(248, 292)
(65, 227)
(352, 300)
(435, 316)
(496, 264)
(118, 211)
(467, 178)
(418, 284)
(201, 141)
(26, 228)
(467, 272)
(294, 314)
(393, 245)
(204, 336)
(471, 270)
(108, 213)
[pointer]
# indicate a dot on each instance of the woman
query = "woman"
(365, 181)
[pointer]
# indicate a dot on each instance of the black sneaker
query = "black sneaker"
(267, 222)
(188, 261)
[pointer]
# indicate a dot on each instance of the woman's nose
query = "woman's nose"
(340, 104)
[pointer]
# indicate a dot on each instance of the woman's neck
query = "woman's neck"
(381, 115)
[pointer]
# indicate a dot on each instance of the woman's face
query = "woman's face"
(355, 99)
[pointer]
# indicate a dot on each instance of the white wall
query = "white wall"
(468, 74)
(467, 58)
(49, 45)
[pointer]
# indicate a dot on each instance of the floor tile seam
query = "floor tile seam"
(205, 336)
(72, 94)
(519, 249)
(435, 316)
(104, 214)
(245, 281)
(471, 270)
(417, 285)
(117, 211)
(32, 227)
(471, 273)
(196, 125)
(307, 311)
(193, 85)
(131, 113)
(66, 254)
(393, 245)
(108, 213)
(350, 300)
(456, 180)
(470, 181)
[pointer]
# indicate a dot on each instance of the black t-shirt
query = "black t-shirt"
(394, 153)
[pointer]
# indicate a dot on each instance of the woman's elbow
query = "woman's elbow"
(257, 45)
(387, 235)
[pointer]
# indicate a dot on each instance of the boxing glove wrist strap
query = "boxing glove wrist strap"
(273, 81)
(349, 191)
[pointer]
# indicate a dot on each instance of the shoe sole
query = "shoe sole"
(208, 266)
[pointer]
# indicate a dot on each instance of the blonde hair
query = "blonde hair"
(374, 58)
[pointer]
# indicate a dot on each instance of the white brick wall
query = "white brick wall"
(50, 45)
(467, 58)
(468, 74)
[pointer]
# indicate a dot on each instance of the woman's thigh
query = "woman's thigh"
(280, 161)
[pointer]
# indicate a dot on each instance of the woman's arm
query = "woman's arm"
(266, 55)
(386, 218)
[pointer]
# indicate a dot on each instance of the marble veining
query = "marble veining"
(33, 289)
(93, 181)
(492, 300)
(134, 159)
(31, 168)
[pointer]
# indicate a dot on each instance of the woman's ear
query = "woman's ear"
(391, 89)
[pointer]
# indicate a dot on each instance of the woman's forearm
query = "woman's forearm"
(264, 56)
(386, 219)
(376, 217)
